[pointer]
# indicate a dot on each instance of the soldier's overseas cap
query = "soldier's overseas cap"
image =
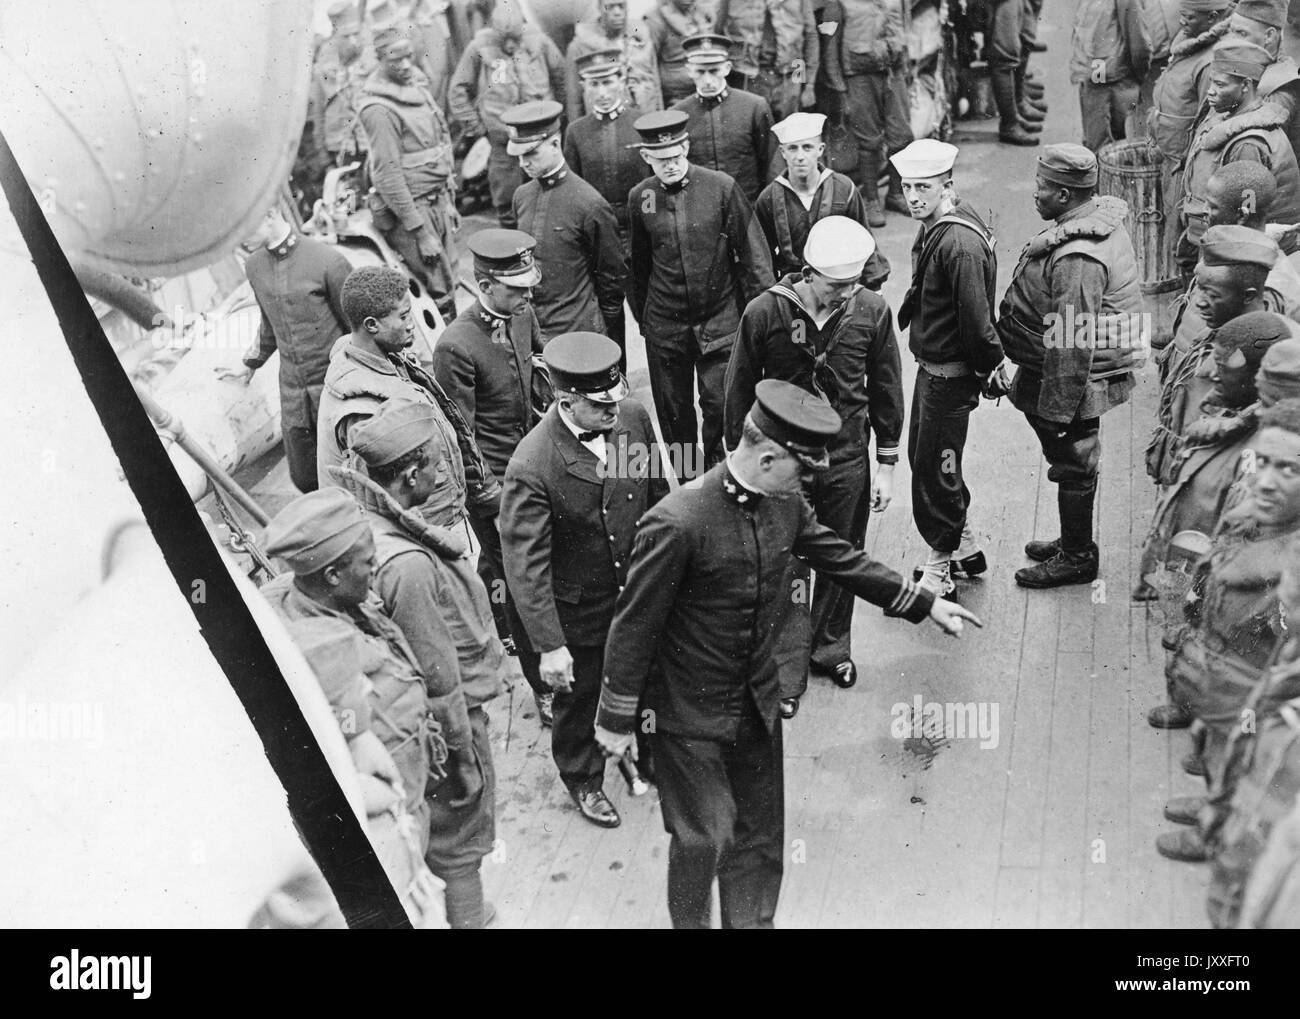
(838, 247)
(796, 419)
(389, 35)
(1253, 334)
(925, 157)
(662, 132)
(1241, 58)
(315, 530)
(1279, 372)
(799, 127)
(1204, 6)
(1068, 164)
(1238, 245)
(706, 49)
(530, 124)
(1266, 12)
(586, 364)
(506, 256)
(599, 64)
(397, 428)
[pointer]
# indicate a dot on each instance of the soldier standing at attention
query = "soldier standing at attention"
(413, 204)
(698, 257)
(584, 284)
(573, 494)
(1237, 124)
(806, 193)
(694, 633)
(671, 23)
(505, 64)
(1262, 22)
(779, 49)
(1080, 269)
(342, 65)
(431, 591)
(298, 284)
(731, 130)
(601, 147)
(949, 312)
(822, 331)
(611, 29)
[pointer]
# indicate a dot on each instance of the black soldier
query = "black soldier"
(1071, 322)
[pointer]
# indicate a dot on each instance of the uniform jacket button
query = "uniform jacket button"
(617, 564)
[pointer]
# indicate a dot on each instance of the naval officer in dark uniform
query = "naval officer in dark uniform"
(601, 147)
(698, 257)
(582, 289)
(573, 492)
(693, 633)
(483, 361)
(731, 128)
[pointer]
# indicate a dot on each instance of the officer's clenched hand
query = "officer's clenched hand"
(428, 245)
(557, 669)
(616, 744)
(882, 487)
(948, 616)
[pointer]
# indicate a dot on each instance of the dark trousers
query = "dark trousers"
(504, 177)
(1072, 452)
(1105, 110)
(881, 125)
(491, 570)
(438, 278)
(578, 757)
(840, 496)
(724, 806)
(300, 454)
(673, 374)
(936, 440)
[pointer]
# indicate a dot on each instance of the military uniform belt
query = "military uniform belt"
(946, 369)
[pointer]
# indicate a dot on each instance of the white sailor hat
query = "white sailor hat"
(799, 127)
(838, 247)
(927, 157)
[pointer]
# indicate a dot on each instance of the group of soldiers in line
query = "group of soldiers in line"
(459, 520)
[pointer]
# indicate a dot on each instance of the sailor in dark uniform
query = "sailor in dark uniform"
(824, 332)
(698, 257)
(949, 313)
(693, 633)
(731, 129)
(573, 493)
(808, 192)
(582, 289)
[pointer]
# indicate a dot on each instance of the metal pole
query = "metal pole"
(169, 422)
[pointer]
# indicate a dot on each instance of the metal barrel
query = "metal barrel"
(1130, 169)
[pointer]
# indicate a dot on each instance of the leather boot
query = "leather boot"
(1010, 130)
(1184, 809)
(1041, 551)
(1029, 112)
(1077, 560)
